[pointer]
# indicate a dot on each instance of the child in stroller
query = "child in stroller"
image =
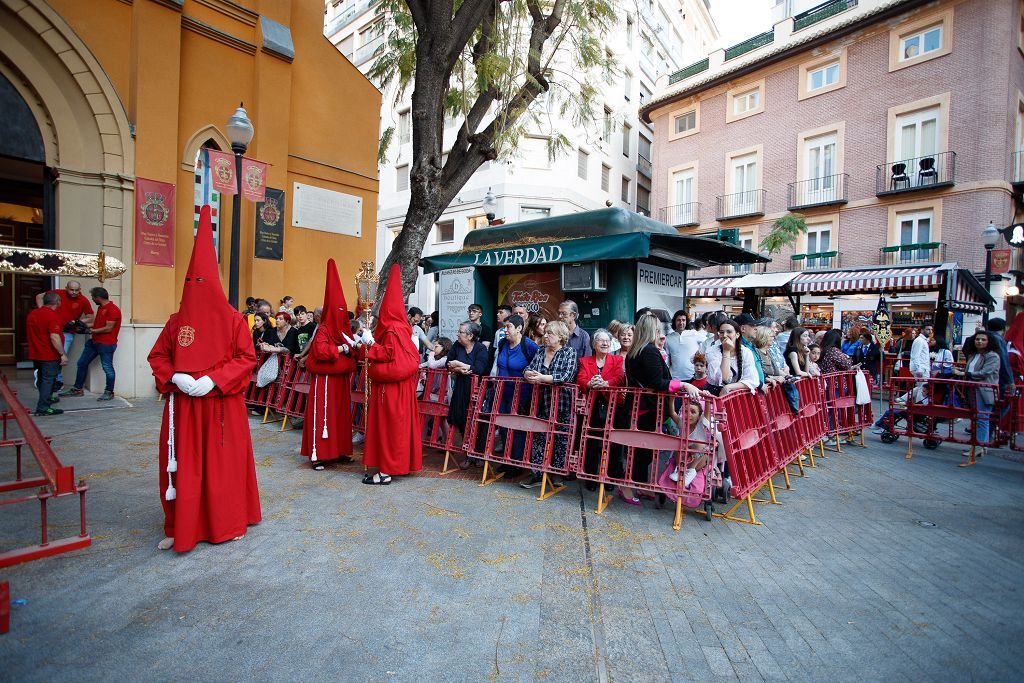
(703, 472)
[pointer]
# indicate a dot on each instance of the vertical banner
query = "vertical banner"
(154, 223)
(1001, 261)
(882, 322)
(456, 290)
(270, 226)
(254, 179)
(222, 171)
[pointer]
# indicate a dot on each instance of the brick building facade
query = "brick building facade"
(884, 123)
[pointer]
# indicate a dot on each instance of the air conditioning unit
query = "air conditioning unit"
(589, 276)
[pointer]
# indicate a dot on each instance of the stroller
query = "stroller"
(895, 420)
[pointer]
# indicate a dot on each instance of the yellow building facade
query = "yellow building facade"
(126, 89)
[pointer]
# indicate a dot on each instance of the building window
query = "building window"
(744, 101)
(404, 127)
(444, 231)
(474, 222)
(819, 240)
(402, 179)
(921, 40)
(684, 123)
(746, 241)
(607, 136)
(606, 174)
(744, 177)
(645, 93)
(627, 84)
(532, 213)
(581, 164)
(818, 167)
(625, 189)
(682, 196)
(535, 153)
(626, 134)
(823, 76)
(644, 147)
(917, 133)
(914, 227)
(629, 32)
(643, 200)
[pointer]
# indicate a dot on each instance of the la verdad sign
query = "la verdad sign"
(524, 256)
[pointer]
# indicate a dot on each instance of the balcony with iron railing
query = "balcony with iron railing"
(919, 252)
(347, 16)
(740, 205)
(643, 210)
(692, 70)
(681, 215)
(822, 260)
(1018, 167)
(742, 268)
(643, 165)
(921, 173)
(823, 191)
(749, 45)
(821, 13)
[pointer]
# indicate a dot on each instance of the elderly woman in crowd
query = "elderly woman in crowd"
(763, 339)
(645, 369)
(281, 339)
(467, 357)
(554, 364)
(514, 354)
(625, 339)
(731, 365)
(602, 370)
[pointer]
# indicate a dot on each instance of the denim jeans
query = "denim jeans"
(46, 375)
(69, 339)
(984, 412)
(89, 353)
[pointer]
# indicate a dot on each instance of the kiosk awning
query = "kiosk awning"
(868, 281)
(964, 292)
(602, 235)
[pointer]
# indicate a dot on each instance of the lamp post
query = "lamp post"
(240, 132)
(989, 237)
(490, 206)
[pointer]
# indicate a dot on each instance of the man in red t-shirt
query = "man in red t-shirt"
(102, 343)
(73, 308)
(46, 349)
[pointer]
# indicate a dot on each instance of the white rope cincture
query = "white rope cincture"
(326, 380)
(172, 462)
(316, 381)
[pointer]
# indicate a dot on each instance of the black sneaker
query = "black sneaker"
(49, 411)
(54, 399)
(532, 481)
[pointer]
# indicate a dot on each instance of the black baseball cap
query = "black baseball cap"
(745, 319)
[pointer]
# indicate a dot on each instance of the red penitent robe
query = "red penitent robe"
(331, 381)
(393, 422)
(217, 495)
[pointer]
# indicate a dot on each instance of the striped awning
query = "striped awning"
(867, 281)
(712, 286)
(965, 293)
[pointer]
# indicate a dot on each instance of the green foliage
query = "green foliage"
(385, 141)
(785, 232)
(501, 68)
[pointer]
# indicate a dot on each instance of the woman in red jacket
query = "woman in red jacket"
(599, 371)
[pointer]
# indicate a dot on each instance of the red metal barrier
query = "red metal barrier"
(1017, 419)
(750, 450)
(57, 481)
(624, 443)
(812, 416)
(292, 392)
(265, 397)
(434, 393)
(545, 414)
(5, 607)
(784, 423)
(843, 416)
(931, 407)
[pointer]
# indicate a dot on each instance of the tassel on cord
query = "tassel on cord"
(172, 462)
(316, 382)
(324, 434)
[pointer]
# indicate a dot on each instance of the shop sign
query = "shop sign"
(607, 247)
(660, 288)
(456, 291)
(540, 293)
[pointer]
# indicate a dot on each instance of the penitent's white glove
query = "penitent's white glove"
(183, 381)
(351, 342)
(202, 387)
(368, 338)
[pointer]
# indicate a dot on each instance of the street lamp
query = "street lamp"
(490, 206)
(240, 132)
(989, 237)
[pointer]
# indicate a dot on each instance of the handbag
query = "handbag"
(792, 396)
(861, 385)
(267, 372)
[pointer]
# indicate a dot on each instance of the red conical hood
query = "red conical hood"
(334, 319)
(205, 319)
(391, 316)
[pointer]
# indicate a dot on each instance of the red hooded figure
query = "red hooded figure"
(202, 361)
(393, 423)
(327, 429)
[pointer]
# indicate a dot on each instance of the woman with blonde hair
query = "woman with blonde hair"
(625, 337)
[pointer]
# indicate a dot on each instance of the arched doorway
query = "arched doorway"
(67, 170)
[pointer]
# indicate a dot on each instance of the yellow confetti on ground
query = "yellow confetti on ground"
(500, 558)
(446, 565)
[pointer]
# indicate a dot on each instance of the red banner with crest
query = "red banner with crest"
(154, 223)
(254, 180)
(222, 172)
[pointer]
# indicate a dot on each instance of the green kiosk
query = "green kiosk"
(611, 262)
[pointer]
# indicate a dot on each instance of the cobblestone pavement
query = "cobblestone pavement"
(873, 567)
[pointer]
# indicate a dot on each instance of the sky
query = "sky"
(738, 20)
